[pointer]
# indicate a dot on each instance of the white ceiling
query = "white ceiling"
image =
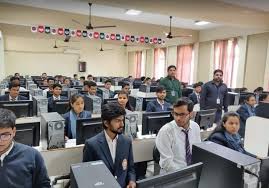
(80, 7)
(253, 4)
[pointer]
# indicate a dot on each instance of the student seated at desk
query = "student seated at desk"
(245, 111)
(13, 95)
(17, 81)
(56, 95)
(113, 148)
(123, 100)
(90, 87)
(125, 87)
(20, 166)
(76, 112)
(159, 104)
(195, 96)
(147, 81)
(50, 81)
(175, 139)
(67, 82)
(107, 87)
(226, 134)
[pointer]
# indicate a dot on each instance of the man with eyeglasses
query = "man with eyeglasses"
(175, 139)
(20, 166)
(214, 95)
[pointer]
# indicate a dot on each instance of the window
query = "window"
(159, 62)
(185, 63)
(140, 64)
(226, 58)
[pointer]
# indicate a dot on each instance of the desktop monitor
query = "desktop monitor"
(243, 96)
(137, 83)
(264, 172)
(83, 92)
(188, 177)
(60, 106)
(262, 110)
(28, 133)
(205, 118)
(22, 93)
(87, 128)
(20, 108)
(152, 122)
(63, 93)
(111, 100)
(187, 91)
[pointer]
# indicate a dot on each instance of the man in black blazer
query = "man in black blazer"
(56, 95)
(113, 148)
(195, 96)
(14, 90)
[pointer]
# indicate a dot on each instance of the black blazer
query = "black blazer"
(6, 98)
(96, 148)
(193, 98)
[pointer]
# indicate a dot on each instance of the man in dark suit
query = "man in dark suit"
(113, 148)
(14, 90)
(159, 105)
(195, 96)
(56, 95)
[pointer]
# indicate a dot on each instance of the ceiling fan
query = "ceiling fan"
(102, 50)
(90, 26)
(55, 45)
(170, 36)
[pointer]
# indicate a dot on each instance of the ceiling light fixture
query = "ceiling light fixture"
(133, 12)
(198, 22)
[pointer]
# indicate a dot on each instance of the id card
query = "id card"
(218, 100)
(173, 93)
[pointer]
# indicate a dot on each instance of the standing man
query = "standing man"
(175, 139)
(215, 95)
(14, 91)
(113, 148)
(172, 85)
(21, 166)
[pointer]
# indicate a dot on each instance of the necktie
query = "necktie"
(187, 147)
(198, 98)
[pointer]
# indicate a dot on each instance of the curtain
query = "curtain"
(184, 60)
(224, 57)
(159, 62)
(138, 60)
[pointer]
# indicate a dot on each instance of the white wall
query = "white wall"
(2, 64)
(34, 56)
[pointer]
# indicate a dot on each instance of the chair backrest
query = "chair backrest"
(156, 155)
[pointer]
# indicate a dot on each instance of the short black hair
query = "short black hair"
(142, 78)
(107, 81)
(125, 84)
(249, 96)
(111, 111)
(184, 101)
(74, 75)
(89, 76)
(197, 85)
(90, 84)
(160, 89)
(263, 96)
(147, 78)
(7, 118)
(57, 85)
(171, 66)
(259, 89)
(13, 84)
(14, 78)
(217, 70)
(50, 78)
(82, 77)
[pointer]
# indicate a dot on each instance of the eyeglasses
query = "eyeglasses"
(5, 136)
(182, 115)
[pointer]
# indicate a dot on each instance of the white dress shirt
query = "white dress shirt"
(112, 144)
(2, 157)
(11, 99)
(160, 103)
(56, 98)
(170, 142)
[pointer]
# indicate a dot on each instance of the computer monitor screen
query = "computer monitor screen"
(153, 88)
(186, 92)
(22, 93)
(79, 87)
(188, 177)
(262, 110)
(152, 122)
(88, 103)
(137, 83)
(60, 106)
(63, 93)
(243, 96)
(205, 118)
(83, 92)
(87, 128)
(111, 100)
(28, 133)
(20, 108)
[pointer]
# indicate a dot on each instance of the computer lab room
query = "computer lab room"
(134, 94)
